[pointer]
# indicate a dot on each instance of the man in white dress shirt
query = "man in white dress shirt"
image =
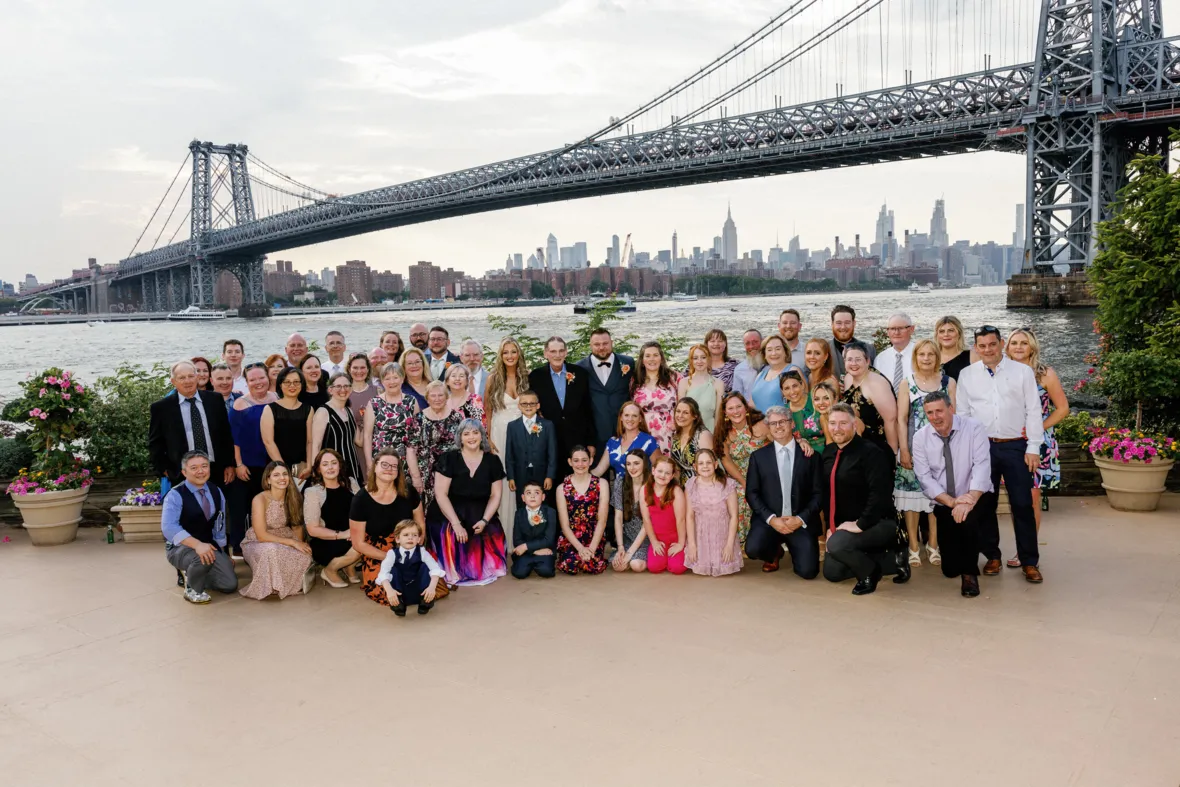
(471, 355)
(896, 361)
(337, 350)
(746, 372)
(1002, 395)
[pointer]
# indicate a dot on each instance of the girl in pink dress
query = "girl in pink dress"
(713, 549)
(654, 390)
(663, 517)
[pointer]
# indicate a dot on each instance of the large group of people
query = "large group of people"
(412, 470)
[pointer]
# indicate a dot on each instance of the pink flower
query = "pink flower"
(78, 387)
(36, 411)
(43, 392)
(65, 396)
(51, 380)
(44, 416)
(71, 409)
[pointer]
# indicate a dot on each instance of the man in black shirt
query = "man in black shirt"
(862, 523)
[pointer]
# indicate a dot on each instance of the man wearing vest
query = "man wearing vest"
(193, 522)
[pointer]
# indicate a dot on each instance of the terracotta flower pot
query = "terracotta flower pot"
(139, 523)
(52, 517)
(1135, 485)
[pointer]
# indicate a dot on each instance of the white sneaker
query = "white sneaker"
(196, 596)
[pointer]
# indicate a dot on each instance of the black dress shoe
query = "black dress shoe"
(425, 607)
(399, 610)
(866, 586)
(970, 586)
(179, 579)
(903, 569)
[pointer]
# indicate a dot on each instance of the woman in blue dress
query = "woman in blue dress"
(766, 392)
(630, 434)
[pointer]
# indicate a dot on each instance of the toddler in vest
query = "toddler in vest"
(408, 573)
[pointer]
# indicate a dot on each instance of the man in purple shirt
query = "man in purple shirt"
(952, 459)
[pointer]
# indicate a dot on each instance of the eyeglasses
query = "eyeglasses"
(987, 330)
(899, 328)
(290, 382)
(339, 387)
(386, 466)
(779, 422)
(528, 404)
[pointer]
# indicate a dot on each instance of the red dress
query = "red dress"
(583, 519)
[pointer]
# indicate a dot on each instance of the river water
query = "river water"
(91, 351)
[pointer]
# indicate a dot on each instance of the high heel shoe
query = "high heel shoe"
(353, 579)
(330, 583)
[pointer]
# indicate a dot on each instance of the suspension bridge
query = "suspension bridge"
(1103, 85)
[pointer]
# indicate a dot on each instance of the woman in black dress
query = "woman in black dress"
(871, 396)
(464, 526)
(952, 346)
(286, 425)
(386, 500)
(327, 499)
(332, 426)
(315, 387)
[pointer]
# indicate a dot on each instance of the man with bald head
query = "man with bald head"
(192, 420)
(296, 349)
(420, 337)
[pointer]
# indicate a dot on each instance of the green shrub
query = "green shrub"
(15, 454)
(119, 421)
(1075, 428)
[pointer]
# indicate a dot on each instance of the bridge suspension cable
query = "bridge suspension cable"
(164, 226)
(273, 171)
(160, 203)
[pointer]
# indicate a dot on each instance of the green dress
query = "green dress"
(807, 426)
(741, 445)
(706, 398)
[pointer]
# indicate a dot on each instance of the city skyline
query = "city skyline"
(378, 102)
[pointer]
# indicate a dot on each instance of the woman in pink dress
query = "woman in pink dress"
(663, 517)
(274, 547)
(713, 549)
(654, 390)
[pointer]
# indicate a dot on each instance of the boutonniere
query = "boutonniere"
(447, 365)
(625, 369)
(535, 428)
(569, 377)
(536, 518)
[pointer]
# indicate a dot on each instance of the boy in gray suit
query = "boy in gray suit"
(530, 453)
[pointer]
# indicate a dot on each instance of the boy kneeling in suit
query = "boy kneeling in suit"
(535, 534)
(408, 573)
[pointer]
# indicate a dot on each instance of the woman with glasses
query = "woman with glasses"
(274, 547)
(1023, 347)
(315, 389)
(417, 372)
(464, 527)
(333, 428)
(327, 499)
(393, 421)
(386, 500)
(457, 379)
(250, 455)
(286, 425)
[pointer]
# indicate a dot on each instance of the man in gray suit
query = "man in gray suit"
(530, 450)
(610, 384)
(843, 332)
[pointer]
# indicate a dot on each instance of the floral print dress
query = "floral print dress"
(435, 439)
(739, 447)
(397, 426)
(685, 456)
(583, 519)
(1048, 475)
(807, 426)
(907, 492)
(657, 405)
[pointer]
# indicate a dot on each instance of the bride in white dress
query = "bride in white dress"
(508, 379)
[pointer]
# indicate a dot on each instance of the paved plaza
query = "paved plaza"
(107, 677)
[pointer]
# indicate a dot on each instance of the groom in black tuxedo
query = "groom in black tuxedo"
(564, 391)
(774, 524)
(610, 383)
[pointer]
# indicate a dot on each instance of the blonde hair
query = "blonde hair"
(453, 369)
(493, 393)
(421, 355)
(950, 319)
(918, 345)
(1034, 352)
(436, 385)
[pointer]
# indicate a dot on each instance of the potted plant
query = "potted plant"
(1134, 466)
(50, 493)
(139, 512)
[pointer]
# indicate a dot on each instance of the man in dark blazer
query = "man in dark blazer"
(530, 451)
(858, 496)
(774, 524)
(190, 420)
(610, 384)
(564, 392)
(438, 354)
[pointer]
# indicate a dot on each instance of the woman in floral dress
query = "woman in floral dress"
(582, 508)
(1024, 347)
(742, 432)
(440, 424)
(458, 381)
(927, 377)
(654, 390)
(690, 437)
(392, 420)
(807, 427)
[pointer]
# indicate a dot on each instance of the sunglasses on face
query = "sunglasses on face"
(987, 330)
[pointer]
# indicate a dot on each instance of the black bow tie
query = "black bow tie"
(604, 363)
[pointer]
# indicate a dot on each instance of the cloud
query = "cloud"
(185, 84)
(133, 161)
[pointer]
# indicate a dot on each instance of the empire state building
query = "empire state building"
(729, 247)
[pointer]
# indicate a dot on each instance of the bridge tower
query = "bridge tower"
(212, 166)
(1076, 161)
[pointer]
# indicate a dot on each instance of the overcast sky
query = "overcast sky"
(102, 99)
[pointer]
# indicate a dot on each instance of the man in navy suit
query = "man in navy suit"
(439, 355)
(530, 453)
(610, 383)
(564, 392)
(784, 489)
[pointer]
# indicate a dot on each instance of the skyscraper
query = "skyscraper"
(938, 234)
(517, 262)
(534, 263)
(614, 260)
(675, 252)
(1018, 238)
(552, 253)
(729, 243)
(885, 244)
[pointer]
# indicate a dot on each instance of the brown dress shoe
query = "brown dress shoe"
(992, 567)
(1033, 574)
(768, 567)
